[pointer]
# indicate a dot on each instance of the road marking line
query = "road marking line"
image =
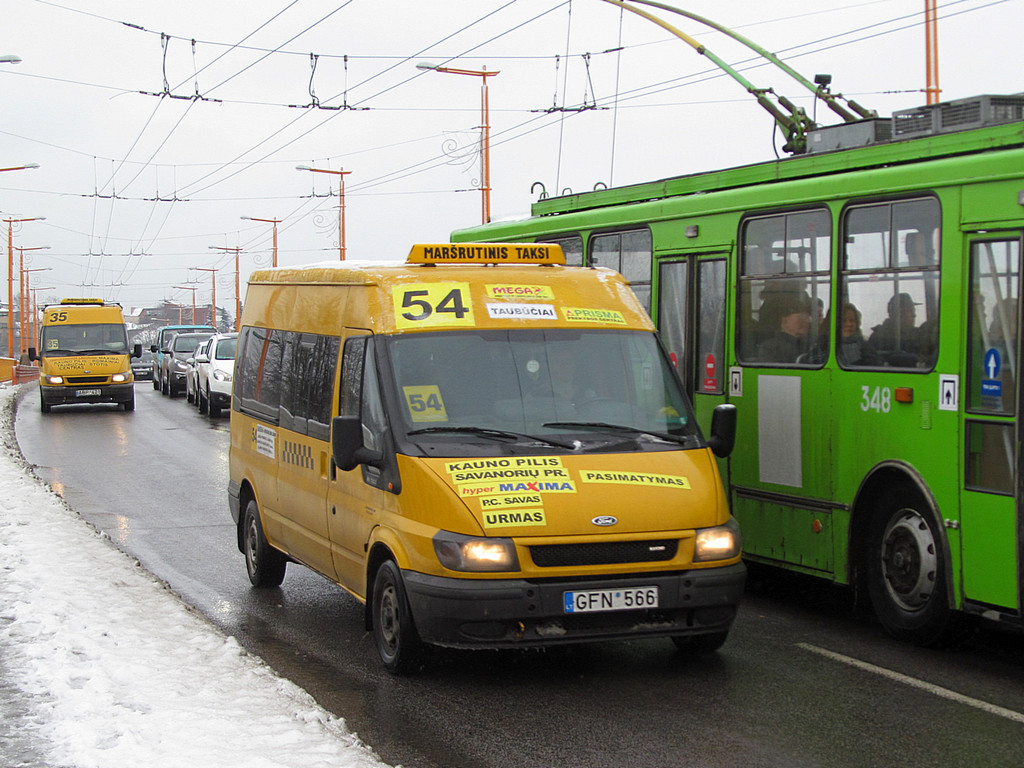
(937, 690)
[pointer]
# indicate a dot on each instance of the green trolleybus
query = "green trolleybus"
(859, 305)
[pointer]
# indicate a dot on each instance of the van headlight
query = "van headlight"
(54, 379)
(475, 553)
(222, 375)
(722, 542)
(119, 378)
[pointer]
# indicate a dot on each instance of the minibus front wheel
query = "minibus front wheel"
(264, 563)
(398, 642)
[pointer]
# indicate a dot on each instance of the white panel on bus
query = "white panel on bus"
(778, 430)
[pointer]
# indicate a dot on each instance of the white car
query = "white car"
(214, 369)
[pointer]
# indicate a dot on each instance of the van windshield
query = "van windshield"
(85, 339)
(560, 386)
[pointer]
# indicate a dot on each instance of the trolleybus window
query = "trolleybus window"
(890, 284)
(992, 364)
(705, 372)
(630, 254)
(572, 247)
(784, 289)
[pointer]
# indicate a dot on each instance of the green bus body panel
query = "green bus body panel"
(810, 440)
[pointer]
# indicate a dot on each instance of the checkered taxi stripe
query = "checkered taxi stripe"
(298, 454)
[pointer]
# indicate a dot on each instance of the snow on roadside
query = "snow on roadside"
(110, 668)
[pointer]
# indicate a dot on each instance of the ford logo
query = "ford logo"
(605, 520)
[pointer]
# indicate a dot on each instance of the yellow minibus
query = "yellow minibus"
(84, 356)
(488, 448)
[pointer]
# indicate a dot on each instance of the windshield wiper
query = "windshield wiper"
(601, 425)
(496, 434)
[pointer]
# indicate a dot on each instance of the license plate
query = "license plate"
(625, 599)
(86, 392)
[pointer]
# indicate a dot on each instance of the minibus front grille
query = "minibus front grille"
(87, 379)
(603, 553)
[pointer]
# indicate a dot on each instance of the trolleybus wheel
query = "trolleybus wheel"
(264, 563)
(398, 643)
(906, 575)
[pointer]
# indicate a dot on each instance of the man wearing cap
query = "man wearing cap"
(790, 340)
(898, 339)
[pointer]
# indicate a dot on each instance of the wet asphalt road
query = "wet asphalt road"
(804, 680)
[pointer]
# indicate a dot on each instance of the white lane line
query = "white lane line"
(937, 690)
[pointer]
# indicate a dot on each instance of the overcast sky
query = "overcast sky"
(158, 125)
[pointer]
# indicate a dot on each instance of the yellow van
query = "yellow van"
(486, 447)
(84, 356)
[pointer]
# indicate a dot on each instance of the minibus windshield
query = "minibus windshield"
(84, 339)
(560, 387)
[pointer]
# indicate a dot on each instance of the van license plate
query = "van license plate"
(627, 599)
(86, 392)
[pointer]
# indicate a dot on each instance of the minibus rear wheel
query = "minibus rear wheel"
(264, 563)
(398, 642)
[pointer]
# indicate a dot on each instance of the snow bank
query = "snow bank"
(110, 668)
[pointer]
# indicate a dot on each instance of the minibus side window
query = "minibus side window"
(293, 365)
(320, 375)
(352, 376)
(360, 396)
(374, 422)
(259, 369)
(307, 382)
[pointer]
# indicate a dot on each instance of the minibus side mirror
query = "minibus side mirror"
(347, 444)
(32, 354)
(723, 430)
(137, 350)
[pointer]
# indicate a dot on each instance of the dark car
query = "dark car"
(174, 367)
(164, 336)
(142, 367)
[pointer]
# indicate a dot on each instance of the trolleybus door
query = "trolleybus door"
(991, 518)
(691, 320)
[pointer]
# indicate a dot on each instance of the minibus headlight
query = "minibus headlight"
(472, 553)
(54, 379)
(720, 543)
(119, 378)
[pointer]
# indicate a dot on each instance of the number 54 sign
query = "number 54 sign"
(420, 305)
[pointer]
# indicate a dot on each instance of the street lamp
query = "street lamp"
(32, 314)
(35, 309)
(213, 295)
(485, 129)
(10, 58)
(193, 289)
(275, 222)
(238, 299)
(341, 204)
(10, 277)
(21, 289)
(26, 167)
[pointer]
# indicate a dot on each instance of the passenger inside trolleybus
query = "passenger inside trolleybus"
(793, 325)
(898, 339)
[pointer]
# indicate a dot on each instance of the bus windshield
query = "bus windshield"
(84, 339)
(564, 387)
